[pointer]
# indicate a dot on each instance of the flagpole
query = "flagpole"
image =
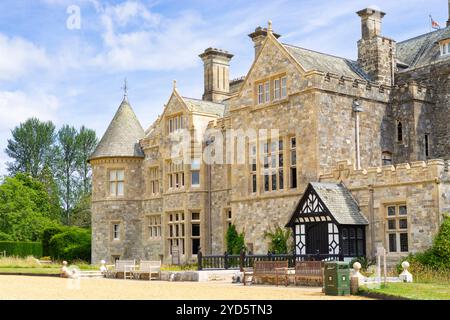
(431, 23)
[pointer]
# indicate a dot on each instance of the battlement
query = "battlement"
(414, 90)
(431, 170)
(349, 82)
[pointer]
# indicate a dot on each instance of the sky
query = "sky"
(66, 60)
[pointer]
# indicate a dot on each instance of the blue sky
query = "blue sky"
(75, 76)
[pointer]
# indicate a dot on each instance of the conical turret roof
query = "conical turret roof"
(121, 139)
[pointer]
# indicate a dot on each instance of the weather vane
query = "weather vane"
(125, 88)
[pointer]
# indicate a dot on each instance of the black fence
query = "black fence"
(244, 260)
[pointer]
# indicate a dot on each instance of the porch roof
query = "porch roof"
(338, 201)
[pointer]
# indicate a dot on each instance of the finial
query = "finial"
(269, 28)
(125, 88)
(174, 84)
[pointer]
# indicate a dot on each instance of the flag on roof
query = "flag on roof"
(434, 24)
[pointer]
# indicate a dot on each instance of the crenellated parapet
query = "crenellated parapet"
(402, 173)
(412, 90)
(349, 86)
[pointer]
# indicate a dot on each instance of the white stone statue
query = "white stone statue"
(65, 270)
(406, 276)
(103, 268)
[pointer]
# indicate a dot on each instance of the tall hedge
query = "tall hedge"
(47, 235)
(72, 244)
(21, 248)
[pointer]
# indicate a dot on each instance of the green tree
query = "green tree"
(279, 240)
(25, 208)
(81, 213)
(66, 166)
(47, 179)
(86, 143)
(30, 147)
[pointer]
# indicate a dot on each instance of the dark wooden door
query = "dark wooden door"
(317, 238)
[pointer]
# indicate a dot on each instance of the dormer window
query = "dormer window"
(445, 47)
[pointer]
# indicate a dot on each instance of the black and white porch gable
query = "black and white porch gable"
(328, 224)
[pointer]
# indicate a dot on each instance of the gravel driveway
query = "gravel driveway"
(27, 287)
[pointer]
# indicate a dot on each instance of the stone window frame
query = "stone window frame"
(278, 84)
(399, 131)
(397, 231)
(153, 226)
(192, 222)
(116, 182)
(175, 173)
(176, 122)
(386, 158)
(444, 47)
(253, 161)
(293, 178)
(196, 170)
(154, 179)
(427, 145)
(119, 223)
(270, 153)
(171, 234)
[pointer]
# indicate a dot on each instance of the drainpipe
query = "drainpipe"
(208, 142)
(372, 221)
(357, 109)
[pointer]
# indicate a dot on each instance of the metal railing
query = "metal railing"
(244, 260)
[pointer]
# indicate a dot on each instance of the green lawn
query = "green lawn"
(415, 291)
(31, 270)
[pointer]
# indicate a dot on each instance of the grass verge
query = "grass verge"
(413, 291)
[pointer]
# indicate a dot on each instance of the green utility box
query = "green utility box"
(337, 278)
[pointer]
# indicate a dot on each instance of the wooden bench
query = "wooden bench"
(309, 273)
(152, 268)
(265, 270)
(124, 266)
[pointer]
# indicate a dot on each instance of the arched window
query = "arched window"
(386, 158)
(399, 131)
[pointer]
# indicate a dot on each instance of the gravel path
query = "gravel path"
(23, 287)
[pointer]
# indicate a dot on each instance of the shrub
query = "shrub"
(47, 234)
(365, 263)
(72, 244)
(434, 260)
(279, 240)
(235, 241)
(21, 248)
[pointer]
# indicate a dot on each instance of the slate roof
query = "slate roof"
(205, 106)
(121, 139)
(422, 50)
(340, 203)
(313, 60)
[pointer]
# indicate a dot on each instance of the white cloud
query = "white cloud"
(17, 106)
(127, 11)
(162, 44)
(19, 56)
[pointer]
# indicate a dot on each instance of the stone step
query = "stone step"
(90, 274)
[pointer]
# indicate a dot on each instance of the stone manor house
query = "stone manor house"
(359, 160)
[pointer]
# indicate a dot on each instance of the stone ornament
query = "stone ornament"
(406, 276)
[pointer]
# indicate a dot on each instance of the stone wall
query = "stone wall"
(107, 210)
(422, 186)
